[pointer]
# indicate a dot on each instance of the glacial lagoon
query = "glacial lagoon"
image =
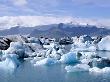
(26, 72)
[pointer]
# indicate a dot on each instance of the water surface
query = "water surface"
(26, 72)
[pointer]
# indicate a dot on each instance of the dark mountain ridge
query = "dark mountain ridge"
(57, 30)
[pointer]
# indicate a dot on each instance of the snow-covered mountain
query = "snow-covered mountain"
(69, 30)
(52, 26)
(57, 30)
(32, 21)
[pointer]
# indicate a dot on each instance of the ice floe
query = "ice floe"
(46, 61)
(104, 43)
(105, 70)
(77, 68)
(69, 58)
(10, 62)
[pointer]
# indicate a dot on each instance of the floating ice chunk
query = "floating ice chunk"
(40, 53)
(92, 48)
(88, 55)
(69, 58)
(16, 48)
(51, 45)
(33, 40)
(46, 61)
(54, 54)
(60, 51)
(100, 71)
(104, 44)
(48, 52)
(57, 57)
(85, 61)
(36, 59)
(83, 45)
(100, 62)
(11, 62)
(33, 46)
(95, 70)
(77, 68)
(47, 46)
(106, 70)
(17, 45)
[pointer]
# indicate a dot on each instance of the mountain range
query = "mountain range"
(57, 30)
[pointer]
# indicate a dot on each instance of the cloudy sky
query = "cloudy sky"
(76, 8)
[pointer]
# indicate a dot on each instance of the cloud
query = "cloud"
(46, 3)
(4, 10)
(98, 3)
(11, 21)
(33, 7)
(79, 8)
(19, 2)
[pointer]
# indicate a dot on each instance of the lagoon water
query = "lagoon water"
(26, 72)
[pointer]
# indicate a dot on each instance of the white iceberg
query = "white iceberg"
(97, 70)
(33, 40)
(55, 54)
(22, 49)
(83, 46)
(85, 61)
(68, 58)
(11, 62)
(83, 43)
(77, 68)
(46, 61)
(54, 51)
(16, 48)
(104, 43)
(32, 47)
(88, 55)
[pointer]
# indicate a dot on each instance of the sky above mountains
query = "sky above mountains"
(76, 8)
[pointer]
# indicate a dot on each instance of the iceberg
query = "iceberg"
(46, 61)
(16, 48)
(23, 49)
(55, 54)
(54, 50)
(77, 68)
(33, 40)
(96, 70)
(85, 61)
(88, 55)
(11, 62)
(68, 58)
(100, 62)
(79, 45)
(32, 47)
(104, 44)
